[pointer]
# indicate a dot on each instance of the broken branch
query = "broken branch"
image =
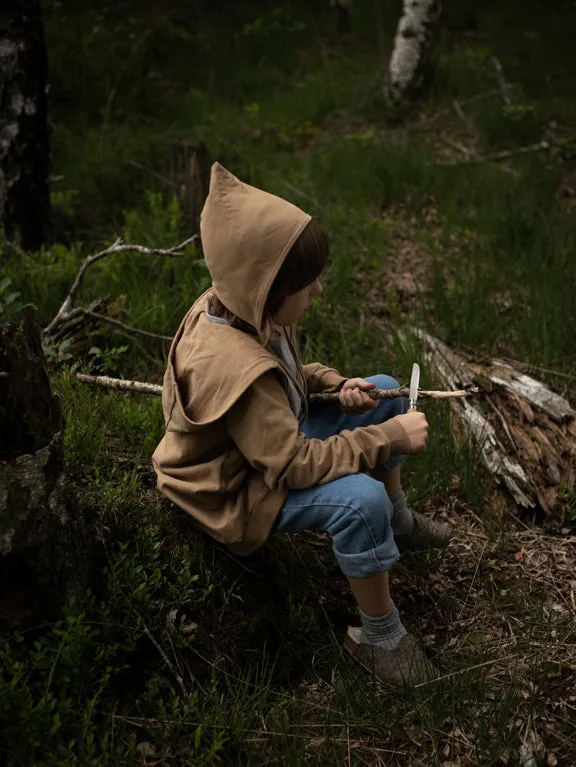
(117, 247)
(403, 391)
(118, 383)
(539, 147)
(127, 328)
(148, 388)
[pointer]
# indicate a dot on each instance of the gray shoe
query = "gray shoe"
(403, 667)
(427, 534)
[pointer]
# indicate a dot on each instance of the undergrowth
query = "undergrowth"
(179, 653)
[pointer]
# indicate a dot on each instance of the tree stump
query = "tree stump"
(42, 551)
(190, 175)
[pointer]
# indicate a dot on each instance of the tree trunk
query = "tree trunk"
(42, 540)
(24, 141)
(412, 47)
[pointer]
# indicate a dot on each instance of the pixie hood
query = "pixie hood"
(246, 234)
(232, 448)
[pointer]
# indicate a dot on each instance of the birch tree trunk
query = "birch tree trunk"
(412, 47)
(24, 141)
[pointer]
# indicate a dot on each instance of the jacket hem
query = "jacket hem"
(260, 523)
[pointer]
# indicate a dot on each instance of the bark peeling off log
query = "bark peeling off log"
(525, 432)
(534, 392)
(502, 468)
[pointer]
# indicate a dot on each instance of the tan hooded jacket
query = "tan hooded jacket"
(232, 449)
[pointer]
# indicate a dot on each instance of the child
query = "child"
(243, 454)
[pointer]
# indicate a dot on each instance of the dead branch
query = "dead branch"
(151, 172)
(467, 151)
(460, 112)
(428, 121)
(127, 328)
(403, 391)
(118, 383)
(504, 85)
(169, 665)
(65, 312)
(504, 155)
(471, 155)
(147, 388)
(531, 390)
(526, 437)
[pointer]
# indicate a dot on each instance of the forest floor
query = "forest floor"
(445, 215)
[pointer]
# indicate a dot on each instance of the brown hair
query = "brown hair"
(304, 262)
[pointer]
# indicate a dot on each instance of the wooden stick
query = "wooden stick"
(403, 391)
(119, 383)
(155, 389)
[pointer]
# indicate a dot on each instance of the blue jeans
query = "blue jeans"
(355, 510)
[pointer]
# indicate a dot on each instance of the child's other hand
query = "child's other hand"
(353, 399)
(415, 425)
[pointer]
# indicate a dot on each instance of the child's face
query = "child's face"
(294, 307)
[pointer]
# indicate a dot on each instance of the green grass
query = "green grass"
(287, 104)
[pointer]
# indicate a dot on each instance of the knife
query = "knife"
(414, 383)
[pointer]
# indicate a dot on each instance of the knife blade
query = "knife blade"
(414, 384)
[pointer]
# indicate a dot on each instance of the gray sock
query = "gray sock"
(384, 631)
(402, 519)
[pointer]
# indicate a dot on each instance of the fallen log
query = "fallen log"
(525, 432)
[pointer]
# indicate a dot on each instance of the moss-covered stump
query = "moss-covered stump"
(42, 541)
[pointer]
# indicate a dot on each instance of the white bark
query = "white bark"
(532, 450)
(453, 370)
(532, 391)
(412, 46)
(147, 388)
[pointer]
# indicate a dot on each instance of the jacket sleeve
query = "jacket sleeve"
(266, 432)
(320, 379)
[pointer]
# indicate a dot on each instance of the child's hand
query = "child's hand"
(415, 425)
(353, 400)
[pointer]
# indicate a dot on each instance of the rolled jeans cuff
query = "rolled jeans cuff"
(377, 560)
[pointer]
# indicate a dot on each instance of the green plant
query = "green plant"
(105, 361)
(59, 354)
(287, 104)
(10, 304)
